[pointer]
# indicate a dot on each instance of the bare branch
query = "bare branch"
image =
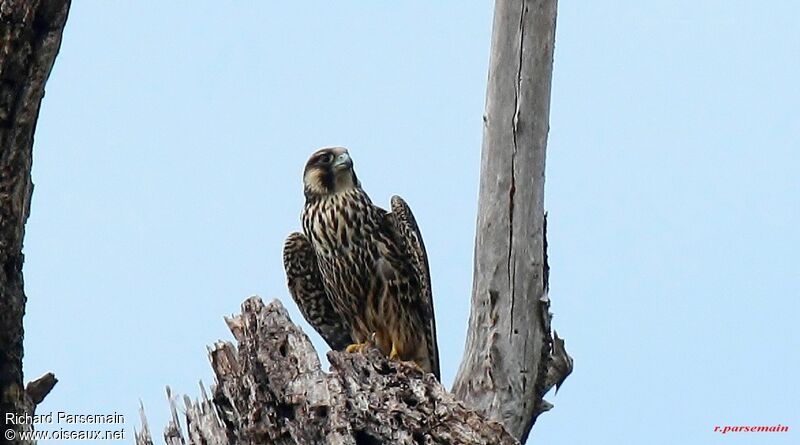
(503, 373)
(39, 389)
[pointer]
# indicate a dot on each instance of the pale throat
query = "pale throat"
(343, 182)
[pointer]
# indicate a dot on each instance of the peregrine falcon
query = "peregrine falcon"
(358, 273)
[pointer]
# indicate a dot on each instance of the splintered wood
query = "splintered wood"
(271, 389)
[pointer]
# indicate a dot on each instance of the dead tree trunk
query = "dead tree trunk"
(271, 390)
(504, 372)
(30, 37)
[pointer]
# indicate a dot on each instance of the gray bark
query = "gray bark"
(510, 360)
(271, 389)
(30, 36)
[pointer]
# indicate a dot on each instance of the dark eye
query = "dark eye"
(326, 158)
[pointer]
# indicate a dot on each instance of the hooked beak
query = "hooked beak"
(342, 161)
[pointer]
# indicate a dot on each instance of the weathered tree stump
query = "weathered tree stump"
(272, 389)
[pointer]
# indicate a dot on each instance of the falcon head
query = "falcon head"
(328, 171)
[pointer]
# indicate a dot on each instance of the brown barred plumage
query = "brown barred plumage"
(306, 284)
(368, 267)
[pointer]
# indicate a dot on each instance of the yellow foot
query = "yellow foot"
(356, 347)
(394, 355)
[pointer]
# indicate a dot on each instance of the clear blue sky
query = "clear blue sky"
(168, 161)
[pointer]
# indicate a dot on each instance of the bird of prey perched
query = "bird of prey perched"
(358, 273)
